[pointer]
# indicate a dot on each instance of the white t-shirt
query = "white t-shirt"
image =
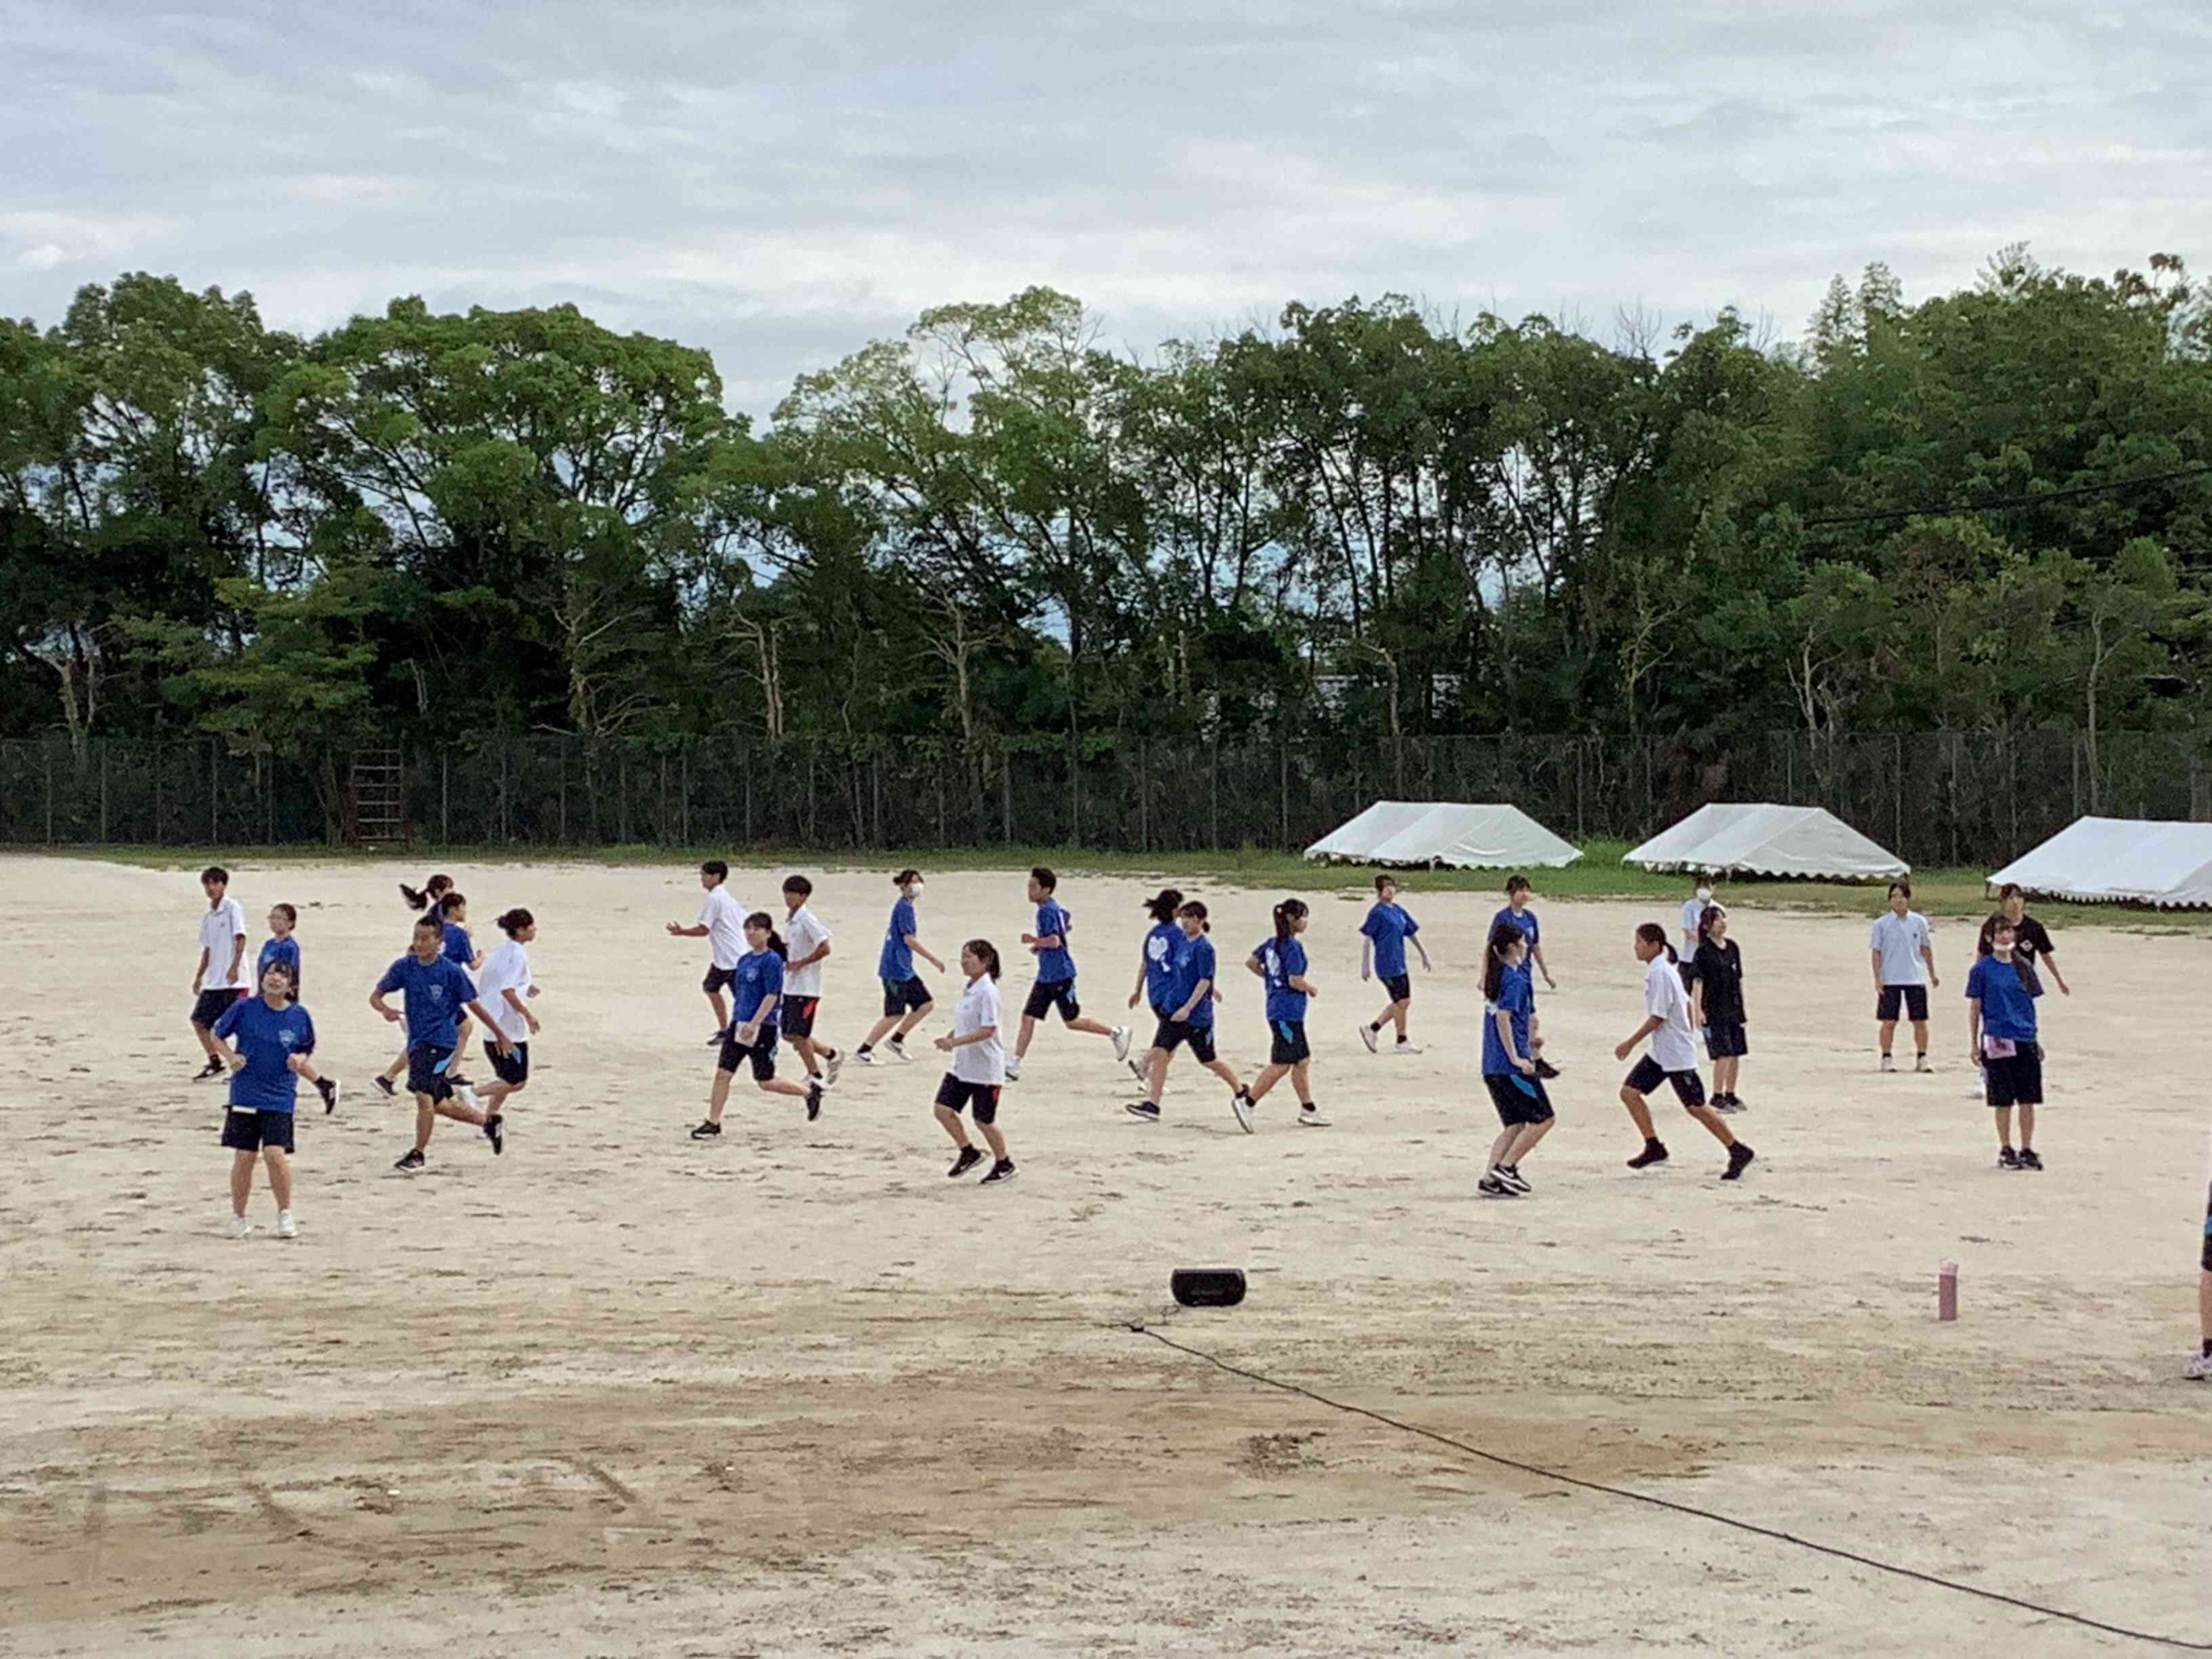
(1663, 996)
(220, 926)
(803, 934)
(508, 967)
(1901, 939)
(1693, 910)
(724, 919)
(985, 1061)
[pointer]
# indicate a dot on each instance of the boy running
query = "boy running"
(2001, 1039)
(1673, 1059)
(1904, 958)
(808, 942)
(978, 1066)
(437, 991)
(721, 922)
(274, 1037)
(219, 980)
(1383, 956)
(1055, 977)
(907, 1001)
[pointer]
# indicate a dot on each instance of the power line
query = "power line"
(2033, 498)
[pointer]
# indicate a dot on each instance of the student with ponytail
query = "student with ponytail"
(977, 1045)
(501, 987)
(1191, 1019)
(1156, 969)
(1673, 1059)
(755, 993)
(1280, 962)
(1509, 1063)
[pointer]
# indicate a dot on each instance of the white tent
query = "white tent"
(2100, 859)
(1425, 832)
(1759, 838)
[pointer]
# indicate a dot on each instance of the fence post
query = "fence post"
(565, 795)
(1896, 788)
(1283, 777)
(1955, 798)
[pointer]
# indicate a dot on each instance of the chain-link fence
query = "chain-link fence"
(1935, 797)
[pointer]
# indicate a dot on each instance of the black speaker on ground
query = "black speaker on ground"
(1207, 1287)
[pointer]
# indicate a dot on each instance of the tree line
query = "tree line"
(1991, 509)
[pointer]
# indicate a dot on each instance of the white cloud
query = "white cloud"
(44, 256)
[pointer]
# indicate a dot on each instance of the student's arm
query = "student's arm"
(1697, 1002)
(1974, 1029)
(1876, 954)
(913, 943)
(699, 931)
(2050, 961)
(981, 1034)
(810, 958)
(1651, 1023)
(1928, 956)
(766, 1006)
(515, 1003)
(1366, 958)
(1199, 993)
(237, 956)
(1137, 992)
(1420, 950)
(1536, 955)
(376, 1001)
(1252, 966)
(199, 974)
(1302, 985)
(477, 1012)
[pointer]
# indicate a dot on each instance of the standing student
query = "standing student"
(755, 994)
(2031, 941)
(1693, 911)
(220, 979)
(1904, 957)
(437, 991)
(808, 942)
(1673, 1059)
(722, 923)
(906, 998)
(2199, 1369)
(274, 1037)
(1191, 1019)
(2001, 1037)
(1384, 935)
(979, 1066)
(423, 902)
(1717, 1005)
(280, 947)
(1055, 976)
(1156, 959)
(501, 988)
(1508, 1063)
(1518, 912)
(1280, 962)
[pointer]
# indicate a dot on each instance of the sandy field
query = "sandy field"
(618, 1393)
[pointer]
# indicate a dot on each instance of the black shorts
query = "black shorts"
(796, 1015)
(761, 1051)
(1915, 998)
(426, 1071)
(957, 1095)
(245, 1130)
(717, 979)
(903, 996)
(1726, 1043)
(2015, 1080)
(1287, 1044)
(1173, 1034)
(511, 1068)
(1519, 1099)
(209, 1006)
(1401, 987)
(1047, 994)
(1689, 1087)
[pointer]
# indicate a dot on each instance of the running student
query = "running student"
(1055, 977)
(808, 943)
(1694, 913)
(1674, 1056)
(1508, 1063)
(756, 992)
(1717, 1005)
(423, 902)
(906, 998)
(502, 986)
(2200, 1368)
(2001, 1037)
(1904, 971)
(1383, 956)
(1191, 1019)
(282, 947)
(722, 923)
(1517, 911)
(979, 1067)
(1280, 962)
(2031, 941)
(1156, 962)
(438, 991)
(220, 979)
(274, 1037)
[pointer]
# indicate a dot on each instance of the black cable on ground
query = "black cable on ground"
(2034, 499)
(1840, 1554)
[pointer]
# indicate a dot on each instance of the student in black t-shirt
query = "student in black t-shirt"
(1715, 976)
(2031, 943)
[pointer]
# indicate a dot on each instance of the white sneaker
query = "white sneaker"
(240, 1228)
(1013, 1069)
(865, 1057)
(1920, 1064)
(1405, 1048)
(830, 1067)
(896, 1050)
(1367, 1036)
(467, 1097)
(1979, 1087)
(1887, 1064)
(2200, 1368)
(1121, 1042)
(1136, 1070)
(1310, 1117)
(1241, 1104)
(286, 1227)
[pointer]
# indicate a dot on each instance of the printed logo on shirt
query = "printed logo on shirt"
(1155, 949)
(288, 1037)
(1273, 963)
(434, 993)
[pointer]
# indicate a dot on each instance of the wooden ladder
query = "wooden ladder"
(380, 814)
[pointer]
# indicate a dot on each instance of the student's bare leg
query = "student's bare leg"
(462, 1033)
(1222, 1069)
(1501, 1149)
(206, 1035)
(1156, 1075)
(804, 1048)
(1302, 1080)
(718, 1096)
(777, 1085)
(1724, 1076)
(1090, 1027)
(2026, 1126)
(915, 1018)
(1920, 1038)
(1713, 1122)
(450, 1107)
(1398, 1011)
(1270, 1075)
(279, 1175)
(307, 1072)
(1888, 1029)
(2003, 1116)
(495, 1093)
(994, 1141)
(426, 1119)
(952, 1124)
(1639, 1112)
(391, 1073)
(1525, 1143)
(879, 1030)
(242, 1181)
(1021, 1041)
(721, 1008)
(2205, 1303)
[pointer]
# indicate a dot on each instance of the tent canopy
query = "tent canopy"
(1759, 838)
(1425, 832)
(2116, 860)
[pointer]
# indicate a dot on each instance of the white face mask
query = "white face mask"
(1704, 892)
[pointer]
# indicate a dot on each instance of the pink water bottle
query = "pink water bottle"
(1947, 1291)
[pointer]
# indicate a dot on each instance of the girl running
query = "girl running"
(1674, 1056)
(281, 949)
(1156, 969)
(1055, 979)
(1281, 962)
(1191, 1019)
(423, 902)
(906, 998)
(755, 991)
(2001, 1024)
(802, 981)
(274, 1037)
(1509, 1067)
(1383, 956)
(1717, 1004)
(1518, 912)
(437, 991)
(503, 984)
(979, 1067)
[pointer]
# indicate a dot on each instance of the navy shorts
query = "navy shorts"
(957, 1095)
(245, 1130)
(1689, 1087)
(1286, 1042)
(426, 1071)
(1915, 998)
(796, 1015)
(761, 1051)
(1047, 994)
(2015, 1080)
(1401, 987)
(1726, 1043)
(1519, 1099)
(1174, 1033)
(903, 996)
(717, 979)
(209, 1006)
(513, 1067)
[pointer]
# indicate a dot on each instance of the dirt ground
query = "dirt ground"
(619, 1393)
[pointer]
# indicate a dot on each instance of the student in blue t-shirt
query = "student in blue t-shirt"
(1387, 932)
(1518, 912)
(271, 1037)
(1280, 962)
(1055, 976)
(907, 1001)
(1156, 969)
(2001, 1018)
(439, 993)
(1190, 1019)
(1509, 1061)
(755, 1003)
(458, 947)
(282, 947)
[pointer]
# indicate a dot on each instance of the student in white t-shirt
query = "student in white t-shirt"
(979, 1065)
(722, 923)
(1673, 1059)
(503, 983)
(808, 943)
(1903, 961)
(219, 980)
(1693, 911)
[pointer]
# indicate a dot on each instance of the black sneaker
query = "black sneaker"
(1001, 1173)
(213, 1068)
(2007, 1158)
(385, 1083)
(458, 1081)
(1491, 1186)
(1512, 1177)
(412, 1163)
(328, 1088)
(813, 1101)
(494, 1131)
(720, 1037)
(1653, 1152)
(1545, 1069)
(2028, 1160)
(707, 1131)
(1740, 1157)
(1147, 1111)
(969, 1158)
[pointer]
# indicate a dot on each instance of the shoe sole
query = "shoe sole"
(1142, 1117)
(1243, 1116)
(1305, 1122)
(995, 1181)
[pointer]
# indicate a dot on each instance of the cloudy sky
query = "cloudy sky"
(782, 183)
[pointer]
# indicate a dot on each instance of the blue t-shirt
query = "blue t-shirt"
(2007, 1009)
(1280, 958)
(267, 1037)
(1390, 926)
(435, 993)
(286, 950)
(1517, 996)
(458, 947)
(1053, 964)
(1162, 946)
(1193, 961)
(1525, 919)
(897, 960)
(758, 974)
